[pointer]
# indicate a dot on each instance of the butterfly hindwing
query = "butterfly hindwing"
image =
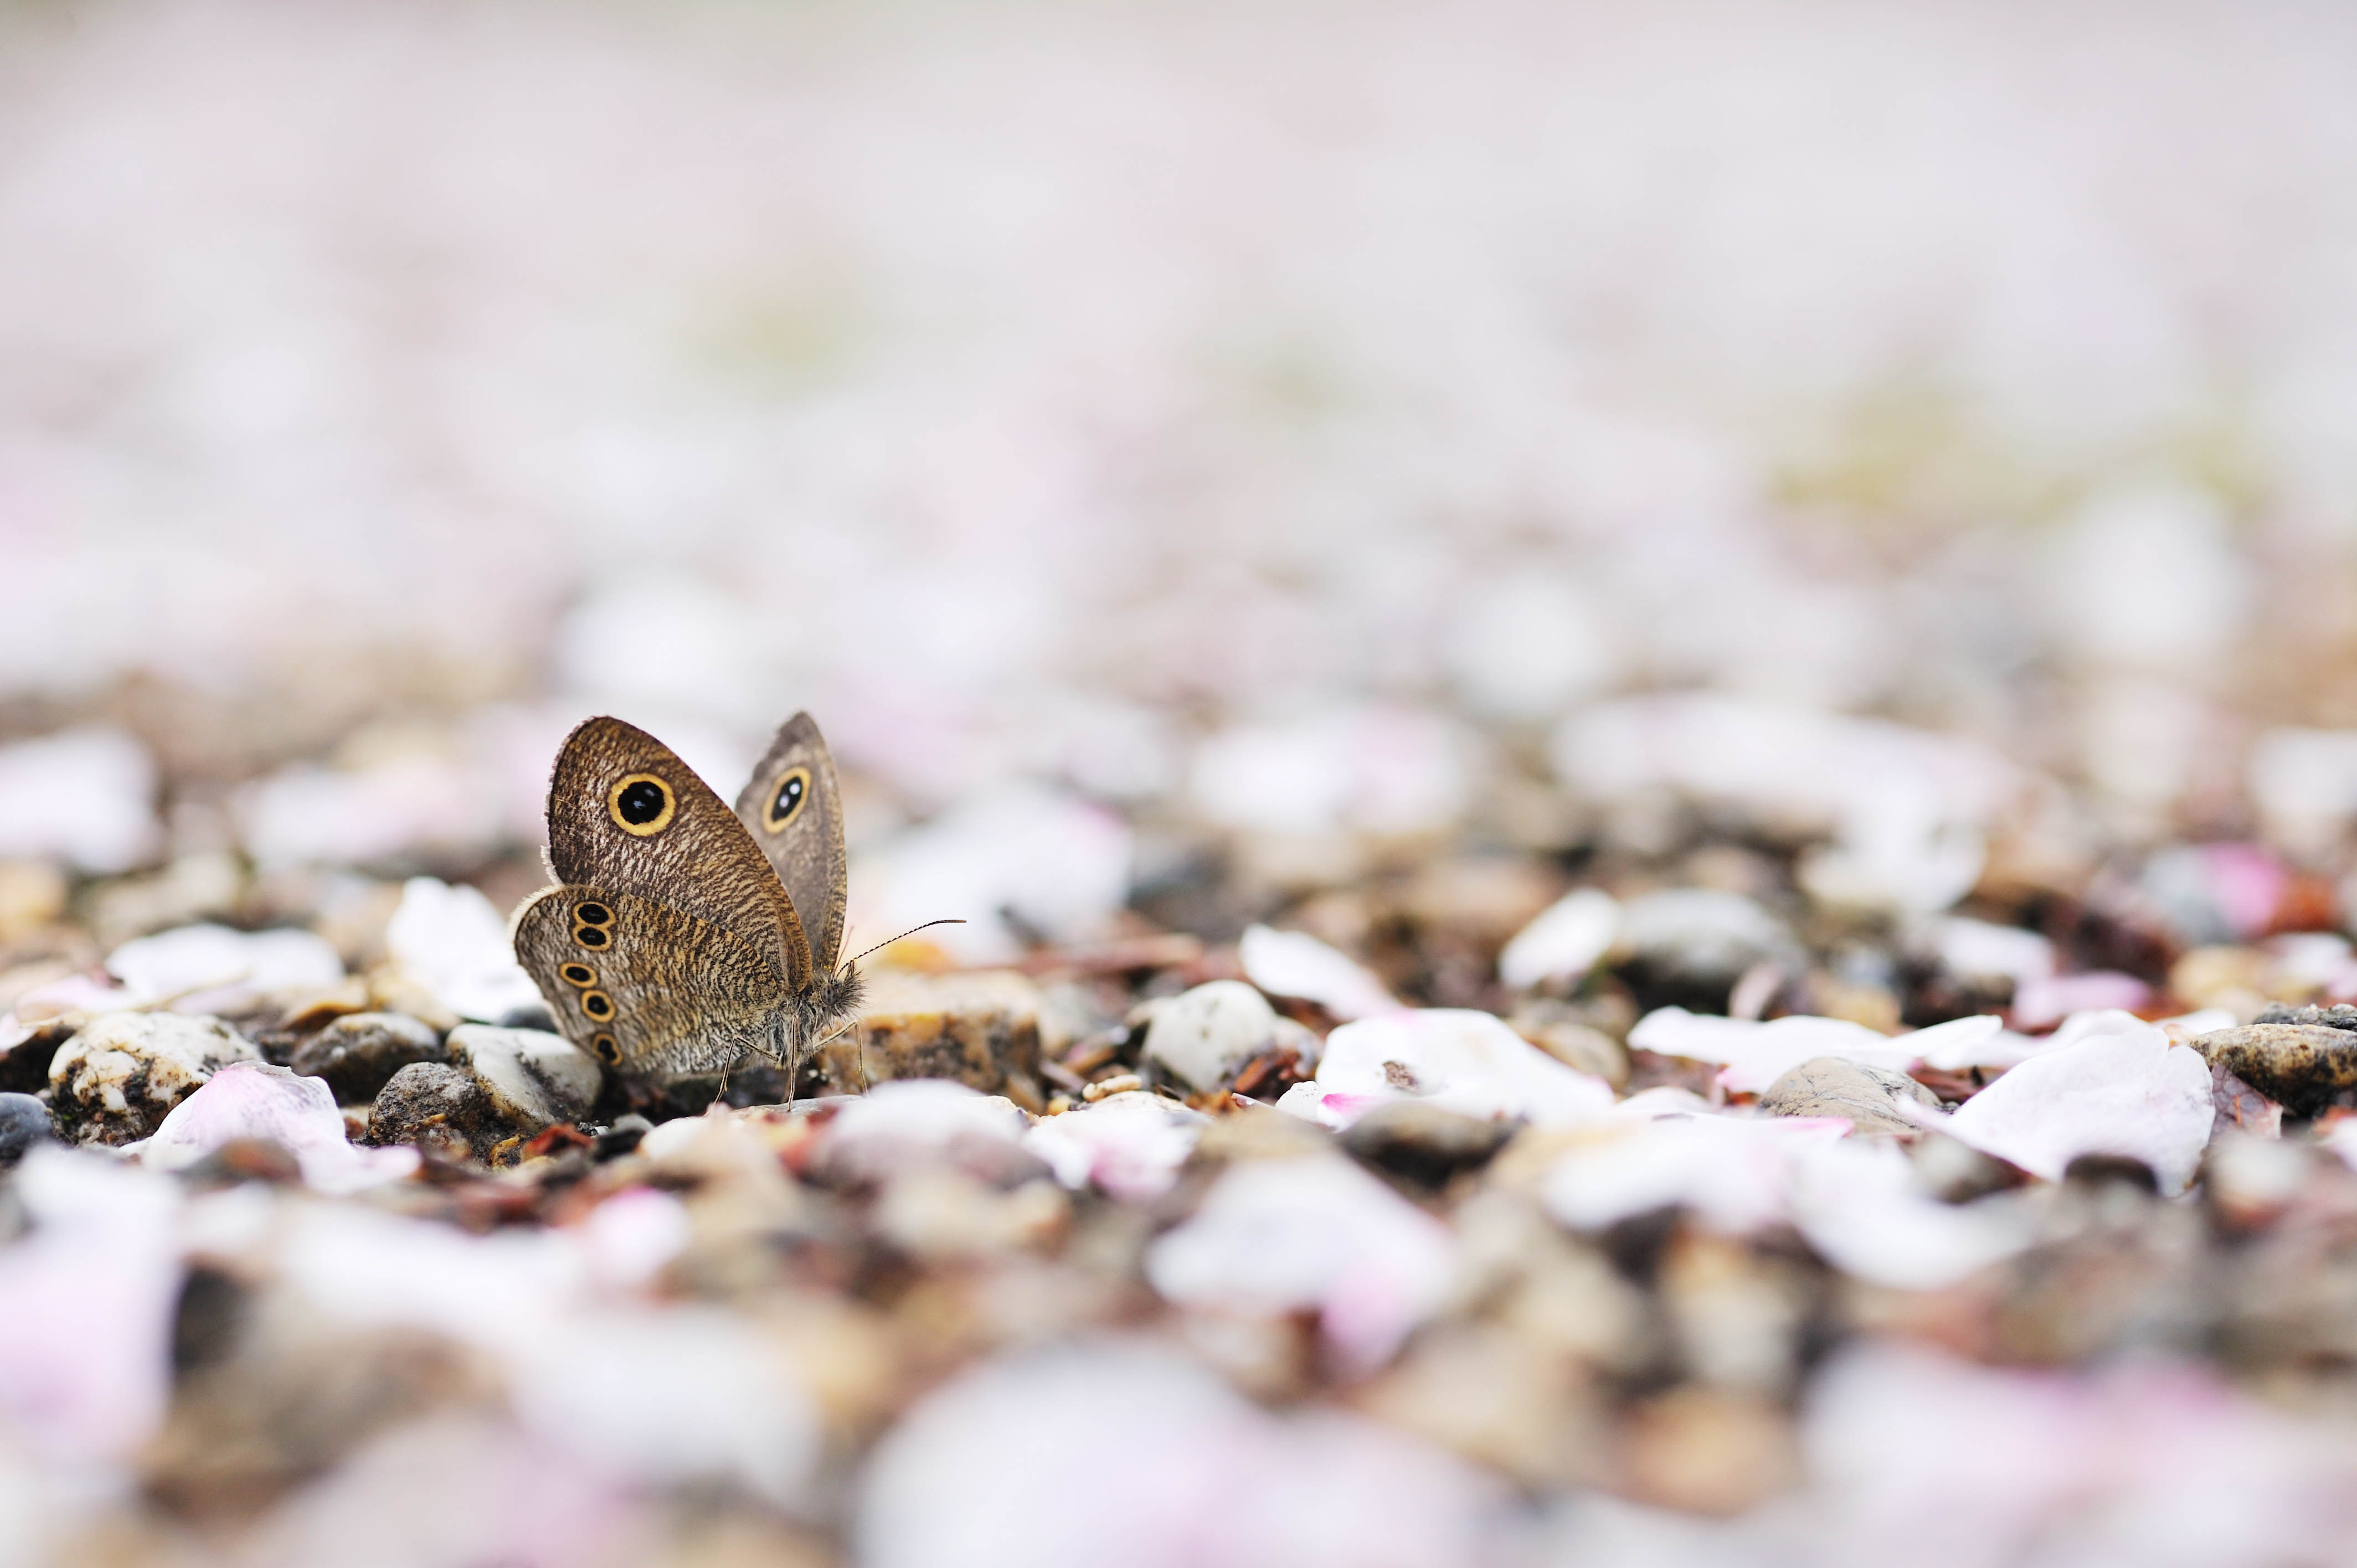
(650, 991)
(626, 815)
(793, 809)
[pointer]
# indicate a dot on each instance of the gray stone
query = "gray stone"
(117, 1079)
(1867, 1096)
(534, 1077)
(1204, 1036)
(2340, 1015)
(360, 1052)
(530, 1015)
(24, 1121)
(2304, 1067)
(435, 1105)
(1412, 1138)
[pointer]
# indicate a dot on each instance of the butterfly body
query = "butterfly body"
(684, 937)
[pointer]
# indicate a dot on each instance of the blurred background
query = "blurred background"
(1188, 457)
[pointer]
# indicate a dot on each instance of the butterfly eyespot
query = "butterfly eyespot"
(578, 974)
(793, 790)
(590, 936)
(607, 1049)
(640, 804)
(598, 1005)
(591, 913)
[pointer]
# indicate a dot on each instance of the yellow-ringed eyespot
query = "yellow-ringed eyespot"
(590, 912)
(793, 790)
(640, 804)
(590, 936)
(598, 1005)
(578, 974)
(605, 1049)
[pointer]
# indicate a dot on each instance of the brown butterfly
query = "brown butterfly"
(683, 938)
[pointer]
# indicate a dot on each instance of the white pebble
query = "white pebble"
(1564, 941)
(535, 1078)
(1203, 1036)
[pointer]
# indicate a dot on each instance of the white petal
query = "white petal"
(1295, 963)
(1458, 1059)
(2129, 1092)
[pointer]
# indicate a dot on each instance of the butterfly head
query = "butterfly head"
(838, 996)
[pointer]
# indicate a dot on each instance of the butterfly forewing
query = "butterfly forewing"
(650, 991)
(793, 809)
(625, 813)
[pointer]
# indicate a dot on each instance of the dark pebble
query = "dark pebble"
(530, 1016)
(1424, 1142)
(24, 1121)
(436, 1104)
(622, 1136)
(2112, 1170)
(2341, 1017)
(24, 1067)
(359, 1053)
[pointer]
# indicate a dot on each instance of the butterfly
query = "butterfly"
(683, 937)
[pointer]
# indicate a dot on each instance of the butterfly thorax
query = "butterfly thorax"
(815, 1015)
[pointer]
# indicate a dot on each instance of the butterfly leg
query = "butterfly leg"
(849, 1026)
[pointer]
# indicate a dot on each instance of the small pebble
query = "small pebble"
(623, 1136)
(360, 1052)
(530, 1016)
(2340, 1015)
(534, 1077)
(24, 1121)
(1424, 1142)
(1204, 1036)
(2303, 1066)
(434, 1103)
(1865, 1095)
(1120, 1083)
(24, 1067)
(116, 1080)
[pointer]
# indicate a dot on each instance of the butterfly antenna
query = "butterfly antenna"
(911, 931)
